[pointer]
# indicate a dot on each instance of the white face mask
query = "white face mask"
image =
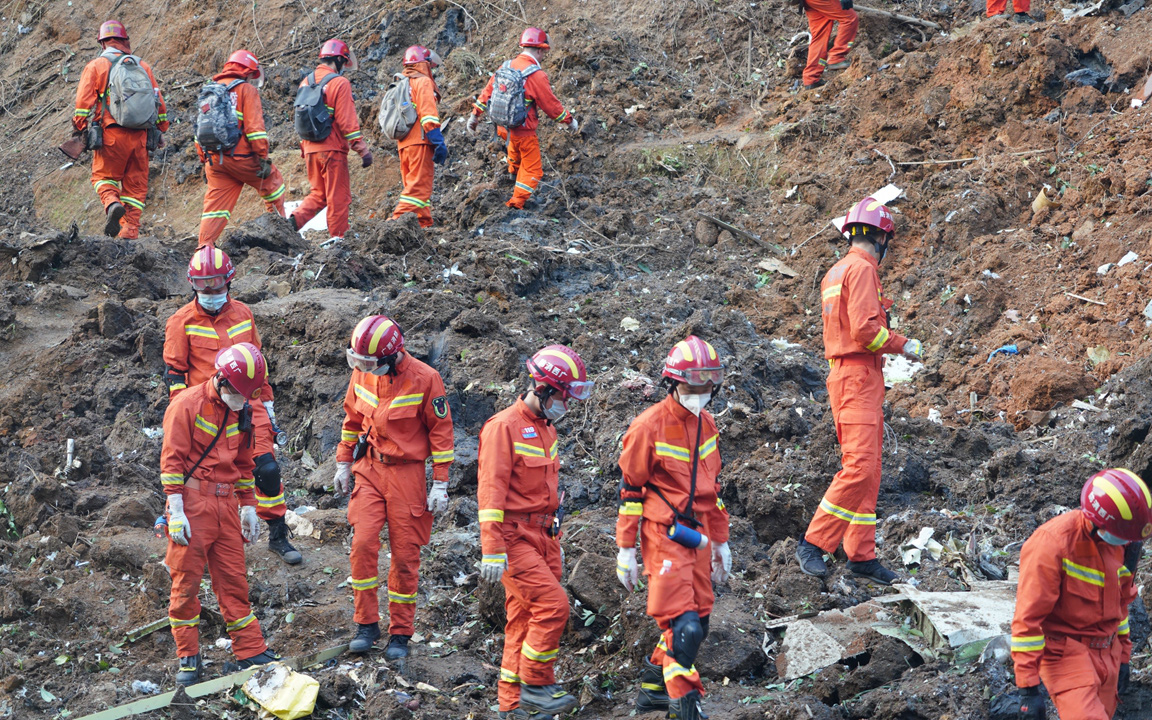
(234, 402)
(212, 303)
(1111, 539)
(694, 403)
(555, 409)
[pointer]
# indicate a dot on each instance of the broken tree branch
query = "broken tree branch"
(742, 233)
(890, 163)
(898, 16)
(1087, 300)
(970, 159)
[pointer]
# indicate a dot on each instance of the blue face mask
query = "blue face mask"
(212, 303)
(1110, 538)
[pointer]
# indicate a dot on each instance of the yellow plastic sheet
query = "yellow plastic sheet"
(283, 692)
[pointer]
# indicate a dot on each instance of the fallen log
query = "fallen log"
(897, 16)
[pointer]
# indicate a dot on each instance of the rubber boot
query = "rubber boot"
(278, 542)
(188, 670)
(366, 636)
(397, 647)
(653, 695)
(112, 216)
(685, 708)
(546, 699)
(262, 659)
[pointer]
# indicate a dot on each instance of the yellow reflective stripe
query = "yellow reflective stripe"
(239, 328)
(662, 644)
(365, 584)
(226, 214)
(407, 400)
(491, 516)
(177, 386)
(853, 518)
(207, 426)
(878, 341)
(348, 436)
(1123, 572)
(708, 447)
(245, 483)
(366, 395)
(676, 670)
(161, 117)
(526, 449)
(632, 509)
(171, 479)
(552, 451)
(241, 623)
(257, 136)
(113, 183)
(201, 331)
(82, 112)
(401, 598)
(1027, 643)
(267, 502)
(480, 106)
(443, 456)
(546, 656)
(429, 119)
(239, 115)
(1123, 629)
(508, 676)
(526, 188)
(1117, 497)
(176, 622)
(720, 504)
(415, 201)
(653, 687)
(275, 194)
(562, 116)
(673, 451)
(831, 292)
(352, 135)
(232, 430)
(132, 202)
(494, 559)
(1080, 572)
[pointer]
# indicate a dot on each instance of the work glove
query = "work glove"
(249, 524)
(721, 563)
(492, 567)
(1032, 704)
(264, 171)
(366, 159)
(627, 570)
(574, 126)
(438, 497)
(473, 124)
(1137, 103)
(845, 4)
(440, 154)
(343, 477)
(178, 528)
(914, 350)
(1122, 681)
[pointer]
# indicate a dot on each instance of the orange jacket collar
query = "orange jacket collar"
(404, 362)
(678, 411)
(529, 415)
(232, 71)
(866, 255)
(531, 59)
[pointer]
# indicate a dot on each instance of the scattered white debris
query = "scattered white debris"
(781, 344)
(153, 433)
(145, 687)
(224, 644)
(899, 369)
(1128, 258)
(630, 324)
(935, 416)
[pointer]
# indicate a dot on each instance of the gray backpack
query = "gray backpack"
(507, 106)
(313, 121)
(130, 98)
(397, 111)
(217, 128)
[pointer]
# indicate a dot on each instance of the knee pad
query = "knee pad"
(704, 623)
(687, 634)
(267, 475)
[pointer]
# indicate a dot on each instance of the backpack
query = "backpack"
(216, 125)
(313, 121)
(507, 106)
(397, 111)
(130, 99)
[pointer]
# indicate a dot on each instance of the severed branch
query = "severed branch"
(897, 16)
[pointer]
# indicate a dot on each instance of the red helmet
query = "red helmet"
(248, 61)
(869, 213)
(1118, 502)
(559, 366)
(111, 29)
(693, 361)
(419, 54)
(338, 48)
(210, 269)
(374, 338)
(534, 37)
(244, 368)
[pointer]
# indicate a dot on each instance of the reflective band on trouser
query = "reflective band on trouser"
(110, 183)
(174, 622)
(402, 598)
(508, 676)
(276, 194)
(1027, 643)
(417, 172)
(241, 623)
(526, 188)
(847, 515)
(679, 680)
(414, 201)
(524, 156)
(366, 584)
(221, 214)
(539, 656)
(132, 202)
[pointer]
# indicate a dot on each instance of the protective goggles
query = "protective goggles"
(579, 389)
(703, 376)
(363, 363)
(200, 284)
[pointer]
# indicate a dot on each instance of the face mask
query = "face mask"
(694, 403)
(212, 303)
(554, 409)
(1110, 538)
(234, 402)
(381, 370)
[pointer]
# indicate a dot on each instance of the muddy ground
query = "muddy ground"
(687, 107)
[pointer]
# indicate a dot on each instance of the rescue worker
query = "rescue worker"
(424, 145)
(193, 336)
(856, 338)
(1020, 10)
(396, 412)
(518, 495)
(205, 466)
(1070, 629)
(670, 466)
(327, 160)
(248, 163)
(822, 15)
(120, 166)
(524, 161)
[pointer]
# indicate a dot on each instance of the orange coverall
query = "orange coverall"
(523, 145)
(192, 420)
(120, 168)
(518, 479)
(416, 167)
(407, 420)
(995, 7)
(658, 454)
(1071, 623)
(822, 15)
(192, 338)
(856, 338)
(228, 172)
(327, 160)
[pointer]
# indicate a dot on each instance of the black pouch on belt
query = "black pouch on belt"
(95, 135)
(361, 448)
(244, 421)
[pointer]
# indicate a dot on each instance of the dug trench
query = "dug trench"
(683, 114)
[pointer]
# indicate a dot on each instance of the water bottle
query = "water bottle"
(686, 536)
(160, 528)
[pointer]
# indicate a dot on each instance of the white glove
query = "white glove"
(492, 567)
(1136, 103)
(473, 124)
(914, 350)
(178, 528)
(574, 126)
(343, 477)
(627, 571)
(249, 524)
(271, 411)
(438, 498)
(721, 563)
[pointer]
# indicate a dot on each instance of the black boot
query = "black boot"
(515, 714)
(188, 670)
(292, 222)
(685, 708)
(653, 695)
(278, 542)
(811, 559)
(262, 659)
(112, 216)
(546, 699)
(872, 570)
(366, 636)
(397, 647)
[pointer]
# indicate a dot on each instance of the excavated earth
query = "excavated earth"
(688, 108)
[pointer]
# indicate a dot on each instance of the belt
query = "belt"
(388, 460)
(543, 520)
(207, 487)
(865, 360)
(1096, 642)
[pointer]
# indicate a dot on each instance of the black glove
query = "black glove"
(265, 168)
(1122, 682)
(1032, 704)
(366, 159)
(845, 4)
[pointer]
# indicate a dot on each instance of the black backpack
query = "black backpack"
(217, 128)
(313, 121)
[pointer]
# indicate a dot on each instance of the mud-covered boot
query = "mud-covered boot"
(397, 647)
(188, 670)
(516, 714)
(685, 708)
(366, 636)
(653, 695)
(262, 659)
(112, 217)
(546, 699)
(278, 542)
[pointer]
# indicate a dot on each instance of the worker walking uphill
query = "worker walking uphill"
(822, 15)
(327, 124)
(856, 338)
(395, 418)
(1020, 10)
(670, 465)
(194, 335)
(205, 465)
(423, 145)
(514, 96)
(233, 144)
(519, 501)
(119, 105)
(1070, 629)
